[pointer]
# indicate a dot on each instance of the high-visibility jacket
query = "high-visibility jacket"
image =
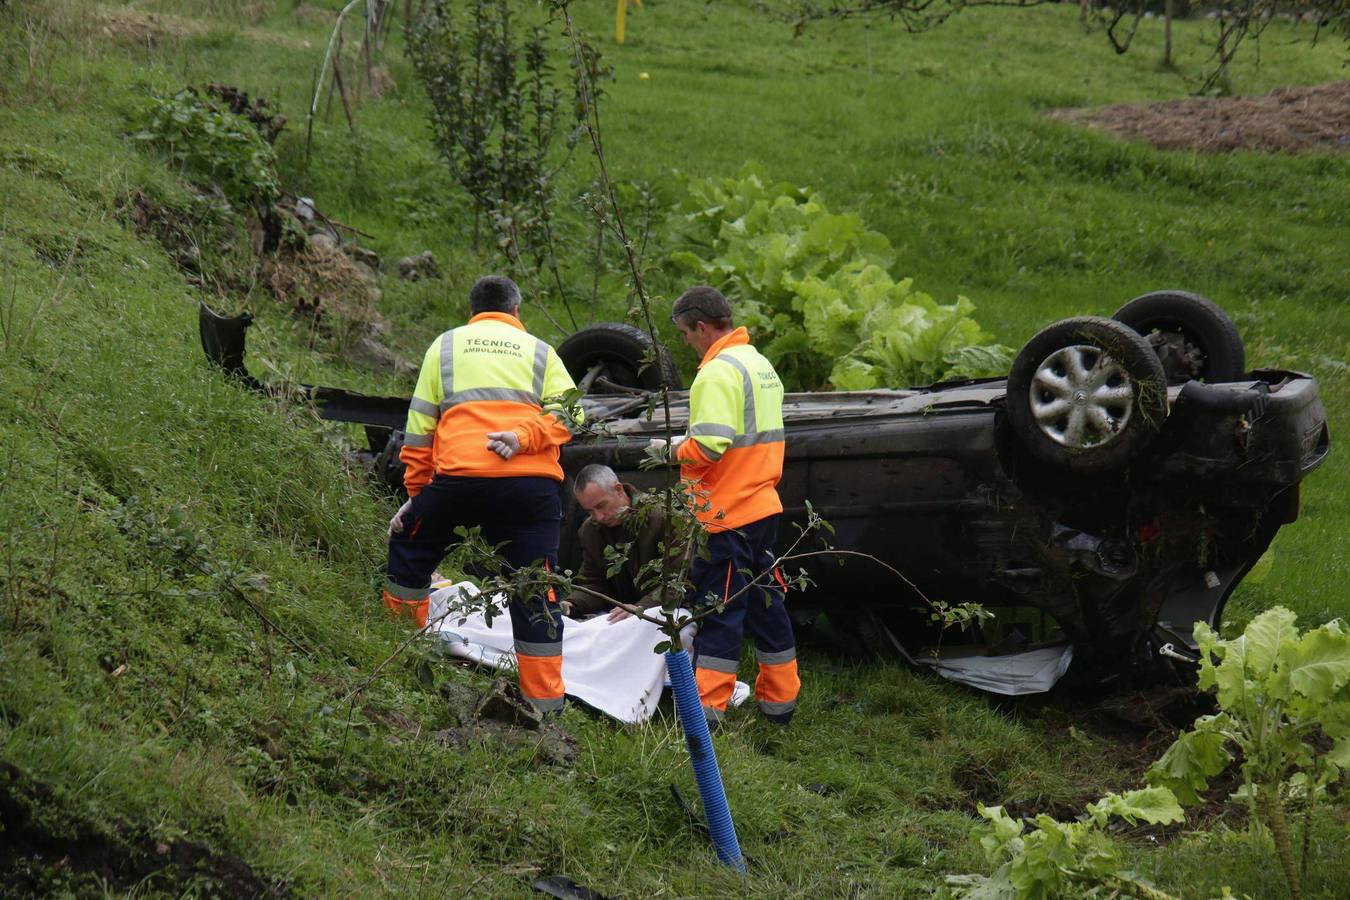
(488, 375)
(734, 451)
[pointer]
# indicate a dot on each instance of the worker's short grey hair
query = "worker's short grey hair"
(596, 474)
(494, 293)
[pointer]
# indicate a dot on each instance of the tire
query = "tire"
(1086, 395)
(622, 352)
(389, 466)
(1193, 336)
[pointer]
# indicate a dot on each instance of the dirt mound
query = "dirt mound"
(126, 25)
(131, 26)
(1287, 120)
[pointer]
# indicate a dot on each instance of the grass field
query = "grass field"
(153, 514)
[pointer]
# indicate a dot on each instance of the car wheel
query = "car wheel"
(608, 356)
(1193, 337)
(1086, 394)
(389, 465)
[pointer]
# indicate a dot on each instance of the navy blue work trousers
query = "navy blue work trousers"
(735, 558)
(525, 513)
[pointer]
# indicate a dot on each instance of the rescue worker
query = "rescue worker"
(612, 522)
(482, 450)
(731, 461)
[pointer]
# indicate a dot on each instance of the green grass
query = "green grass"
(136, 486)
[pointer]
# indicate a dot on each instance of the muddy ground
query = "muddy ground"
(1287, 120)
(45, 851)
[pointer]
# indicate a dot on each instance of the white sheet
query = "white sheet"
(1014, 674)
(610, 667)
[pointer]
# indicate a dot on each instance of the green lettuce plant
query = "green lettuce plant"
(816, 291)
(1065, 859)
(1284, 706)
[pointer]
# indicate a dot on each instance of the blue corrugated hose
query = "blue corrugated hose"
(706, 773)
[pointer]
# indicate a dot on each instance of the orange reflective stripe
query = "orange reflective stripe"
(715, 688)
(552, 595)
(540, 676)
(778, 682)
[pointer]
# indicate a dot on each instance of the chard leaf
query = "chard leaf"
(1317, 666)
(1265, 637)
(1187, 766)
(1154, 805)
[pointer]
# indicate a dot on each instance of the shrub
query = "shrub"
(212, 144)
(816, 288)
(1284, 703)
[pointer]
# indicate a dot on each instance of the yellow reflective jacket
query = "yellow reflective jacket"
(734, 453)
(488, 375)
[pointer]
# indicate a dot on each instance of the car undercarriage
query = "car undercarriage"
(1112, 491)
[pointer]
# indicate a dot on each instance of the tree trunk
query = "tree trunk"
(1168, 12)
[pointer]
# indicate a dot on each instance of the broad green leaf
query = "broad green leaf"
(978, 361)
(852, 375)
(1318, 665)
(1154, 805)
(1264, 638)
(1001, 838)
(1339, 755)
(997, 886)
(1047, 853)
(1186, 767)
(1335, 717)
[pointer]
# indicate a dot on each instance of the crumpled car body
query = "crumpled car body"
(1120, 564)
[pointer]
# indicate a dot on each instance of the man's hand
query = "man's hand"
(505, 444)
(618, 614)
(660, 449)
(565, 607)
(396, 523)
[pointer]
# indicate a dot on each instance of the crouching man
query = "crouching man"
(613, 521)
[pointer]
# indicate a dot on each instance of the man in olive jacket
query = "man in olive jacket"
(609, 503)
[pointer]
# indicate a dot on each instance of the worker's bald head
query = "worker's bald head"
(494, 293)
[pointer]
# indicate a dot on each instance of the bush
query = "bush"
(212, 144)
(815, 287)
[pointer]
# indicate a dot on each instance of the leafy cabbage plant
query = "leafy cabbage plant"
(815, 289)
(1059, 859)
(1284, 704)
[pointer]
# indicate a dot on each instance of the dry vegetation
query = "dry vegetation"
(1287, 120)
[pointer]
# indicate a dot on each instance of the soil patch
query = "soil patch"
(1135, 728)
(125, 25)
(40, 854)
(1287, 120)
(132, 26)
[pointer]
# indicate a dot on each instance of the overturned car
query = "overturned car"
(1111, 491)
